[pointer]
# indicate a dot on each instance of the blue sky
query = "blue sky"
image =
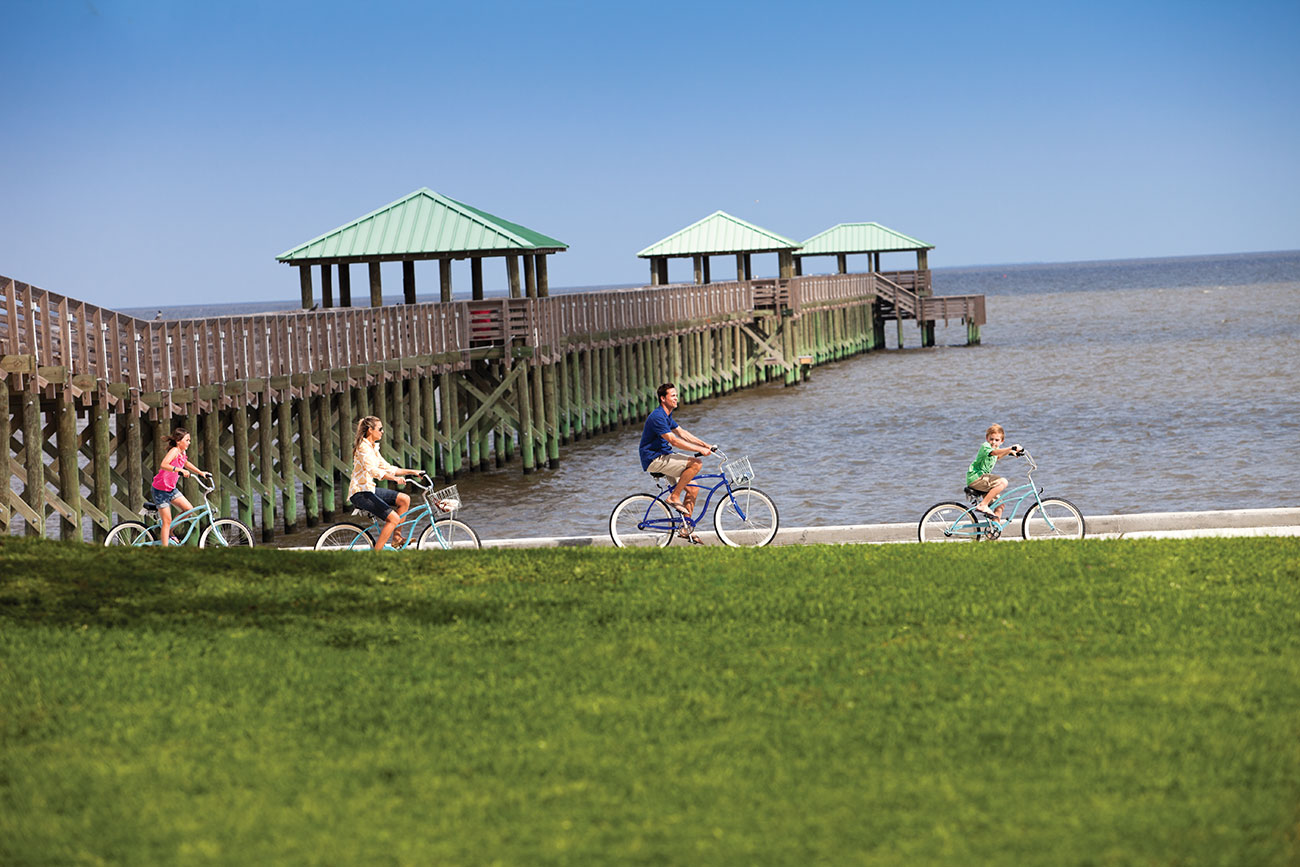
(164, 152)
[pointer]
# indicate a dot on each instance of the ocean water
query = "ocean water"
(1138, 386)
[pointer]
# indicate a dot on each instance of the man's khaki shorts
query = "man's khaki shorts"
(672, 466)
(986, 482)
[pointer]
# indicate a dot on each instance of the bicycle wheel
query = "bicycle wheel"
(448, 533)
(226, 533)
(948, 522)
(129, 533)
(1053, 518)
(345, 537)
(747, 518)
(641, 521)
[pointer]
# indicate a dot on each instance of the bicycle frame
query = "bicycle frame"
(191, 518)
(987, 524)
(678, 519)
(412, 519)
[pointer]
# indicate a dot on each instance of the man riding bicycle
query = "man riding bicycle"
(660, 435)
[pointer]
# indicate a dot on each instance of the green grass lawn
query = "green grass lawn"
(1101, 702)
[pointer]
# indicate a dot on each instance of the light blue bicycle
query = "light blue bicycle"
(442, 534)
(744, 517)
(1047, 518)
(217, 532)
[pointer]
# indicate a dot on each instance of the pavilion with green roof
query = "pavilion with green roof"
(422, 225)
(718, 234)
(846, 239)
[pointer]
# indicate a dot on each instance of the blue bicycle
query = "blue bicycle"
(744, 517)
(1047, 518)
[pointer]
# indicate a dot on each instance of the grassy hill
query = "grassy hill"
(1100, 702)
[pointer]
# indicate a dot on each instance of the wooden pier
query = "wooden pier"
(272, 400)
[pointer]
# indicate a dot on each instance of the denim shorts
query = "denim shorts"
(378, 502)
(164, 498)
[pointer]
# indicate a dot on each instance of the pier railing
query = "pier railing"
(89, 341)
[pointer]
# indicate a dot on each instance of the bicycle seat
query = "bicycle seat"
(148, 507)
(656, 475)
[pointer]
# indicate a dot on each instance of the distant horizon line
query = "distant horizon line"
(294, 302)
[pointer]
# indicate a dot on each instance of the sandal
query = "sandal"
(681, 509)
(690, 536)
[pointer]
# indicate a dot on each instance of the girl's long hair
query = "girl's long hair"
(364, 427)
(175, 437)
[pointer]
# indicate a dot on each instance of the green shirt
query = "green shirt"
(982, 464)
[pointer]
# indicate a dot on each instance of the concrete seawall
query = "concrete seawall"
(1233, 522)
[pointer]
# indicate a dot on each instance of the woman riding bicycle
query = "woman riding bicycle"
(368, 467)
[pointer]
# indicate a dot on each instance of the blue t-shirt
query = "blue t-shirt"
(653, 443)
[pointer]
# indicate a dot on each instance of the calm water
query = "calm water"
(1139, 386)
(1145, 385)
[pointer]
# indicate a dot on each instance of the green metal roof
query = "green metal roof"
(423, 223)
(859, 238)
(716, 234)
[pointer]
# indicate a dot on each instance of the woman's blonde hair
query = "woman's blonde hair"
(364, 427)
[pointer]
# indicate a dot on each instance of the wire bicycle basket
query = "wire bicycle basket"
(446, 500)
(738, 471)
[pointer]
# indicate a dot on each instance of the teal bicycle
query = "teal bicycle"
(216, 532)
(1047, 518)
(442, 534)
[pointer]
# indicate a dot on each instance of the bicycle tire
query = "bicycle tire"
(1053, 518)
(627, 523)
(948, 522)
(130, 534)
(456, 533)
(756, 529)
(345, 537)
(229, 532)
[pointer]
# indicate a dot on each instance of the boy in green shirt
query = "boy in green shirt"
(980, 475)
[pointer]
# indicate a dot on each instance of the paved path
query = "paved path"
(1164, 525)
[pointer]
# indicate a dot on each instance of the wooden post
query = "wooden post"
(210, 423)
(798, 266)
(749, 267)
(524, 407)
(512, 275)
(101, 473)
(530, 275)
(543, 283)
(476, 278)
(587, 403)
(33, 445)
(304, 284)
(841, 263)
(69, 472)
(708, 278)
(740, 267)
(654, 271)
(786, 262)
(288, 478)
(326, 286)
(266, 463)
(325, 418)
(376, 287)
(663, 270)
(551, 398)
(444, 280)
(408, 281)
(243, 469)
(134, 453)
(345, 285)
(699, 270)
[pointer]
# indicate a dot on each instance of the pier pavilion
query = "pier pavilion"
(718, 234)
(420, 226)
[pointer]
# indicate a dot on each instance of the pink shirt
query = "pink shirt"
(167, 479)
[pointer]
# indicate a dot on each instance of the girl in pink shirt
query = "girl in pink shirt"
(174, 465)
